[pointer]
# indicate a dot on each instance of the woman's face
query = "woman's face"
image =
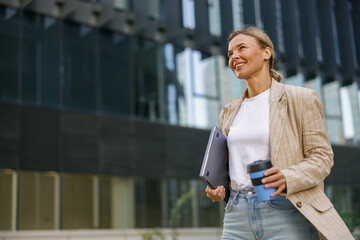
(246, 57)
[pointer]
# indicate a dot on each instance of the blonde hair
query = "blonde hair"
(264, 41)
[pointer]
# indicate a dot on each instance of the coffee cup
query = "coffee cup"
(256, 171)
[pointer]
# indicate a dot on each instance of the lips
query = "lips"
(237, 65)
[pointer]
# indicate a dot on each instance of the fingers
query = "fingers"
(275, 179)
(279, 190)
(217, 194)
(273, 174)
(271, 171)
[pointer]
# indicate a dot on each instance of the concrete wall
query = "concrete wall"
(127, 234)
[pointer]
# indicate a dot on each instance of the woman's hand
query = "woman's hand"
(274, 178)
(217, 194)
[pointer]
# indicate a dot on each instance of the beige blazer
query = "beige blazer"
(301, 149)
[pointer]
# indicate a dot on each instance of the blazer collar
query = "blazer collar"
(276, 92)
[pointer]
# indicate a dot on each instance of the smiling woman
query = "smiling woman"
(282, 123)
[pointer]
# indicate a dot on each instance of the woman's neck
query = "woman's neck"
(258, 85)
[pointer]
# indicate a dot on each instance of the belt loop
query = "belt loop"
(236, 195)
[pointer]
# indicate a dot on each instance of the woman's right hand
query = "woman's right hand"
(217, 194)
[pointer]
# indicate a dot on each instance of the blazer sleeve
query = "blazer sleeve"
(317, 152)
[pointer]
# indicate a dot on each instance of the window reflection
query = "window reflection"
(296, 80)
(332, 112)
(36, 200)
(200, 79)
(350, 113)
(9, 57)
(115, 73)
(77, 201)
(40, 61)
(79, 54)
(6, 201)
(148, 203)
(188, 8)
(147, 74)
(214, 17)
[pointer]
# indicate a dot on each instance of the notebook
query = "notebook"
(215, 168)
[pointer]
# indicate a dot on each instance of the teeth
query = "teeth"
(240, 64)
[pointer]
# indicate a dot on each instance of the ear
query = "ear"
(267, 53)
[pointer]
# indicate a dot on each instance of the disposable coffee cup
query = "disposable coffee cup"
(256, 171)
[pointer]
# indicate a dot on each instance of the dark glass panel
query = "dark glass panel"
(180, 198)
(9, 57)
(106, 210)
(148, 203)
(209, 214)
(115, 73)
(146, 75)
(6, 182)
(40, 60)
(79, 66)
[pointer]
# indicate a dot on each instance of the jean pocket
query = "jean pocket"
(280, 202)
(229, 206)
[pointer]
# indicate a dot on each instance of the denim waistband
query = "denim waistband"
(242, 193)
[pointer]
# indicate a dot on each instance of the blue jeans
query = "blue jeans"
(276, 219)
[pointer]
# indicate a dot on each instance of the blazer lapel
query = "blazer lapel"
(278, 109)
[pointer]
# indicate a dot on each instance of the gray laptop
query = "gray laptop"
(215, 167)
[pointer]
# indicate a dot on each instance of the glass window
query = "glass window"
(199, 77)
(214, 17)
(115, 73)
(121, 4)
(156, 9)
(79, 67)
(40, 60)
(36, 200)
(117, 200)
(148, 203)
(297, 80)
(350, 113)
(148, 75)
(231, 87)
(77, 201)
(180, 196)
(346, 200)
(332, 112)
(316, 84)
(9, 57)
(210, 214)
(105, 202)
(237, 11)
(6, 201)
(188, 8)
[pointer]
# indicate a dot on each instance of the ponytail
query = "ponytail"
(275, 75)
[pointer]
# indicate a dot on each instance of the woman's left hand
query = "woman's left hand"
(274, 178)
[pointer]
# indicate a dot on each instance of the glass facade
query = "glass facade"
(50, 200)
(64, 64)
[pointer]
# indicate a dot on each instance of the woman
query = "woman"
(283, 123)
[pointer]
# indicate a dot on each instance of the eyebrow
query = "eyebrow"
(236, 47)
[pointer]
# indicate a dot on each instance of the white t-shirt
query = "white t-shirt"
(249, 139)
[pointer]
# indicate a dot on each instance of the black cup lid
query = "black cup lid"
(259, 165)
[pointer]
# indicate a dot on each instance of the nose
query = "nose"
(235, 54)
